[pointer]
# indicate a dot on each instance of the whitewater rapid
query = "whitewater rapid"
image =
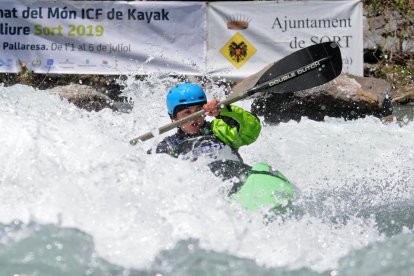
(72, 168)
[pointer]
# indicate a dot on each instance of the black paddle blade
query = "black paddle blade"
(326, 62)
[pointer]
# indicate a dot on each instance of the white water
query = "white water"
(63, 165)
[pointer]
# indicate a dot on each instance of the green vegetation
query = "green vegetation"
(380, 6)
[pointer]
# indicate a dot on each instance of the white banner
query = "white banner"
(102, 37)
(244, 37)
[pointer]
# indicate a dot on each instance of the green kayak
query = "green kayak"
(262, 188)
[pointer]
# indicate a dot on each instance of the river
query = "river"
(77, 199)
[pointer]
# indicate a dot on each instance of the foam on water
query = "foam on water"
(73, 168)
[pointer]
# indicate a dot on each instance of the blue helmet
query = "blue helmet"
(185, 94)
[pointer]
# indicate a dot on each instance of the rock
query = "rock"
(372, 40)
(392, 44)
(408, 46)
(347, 96)
(404, 95)
(391, 31)
(83, 96)
(378, 22)
(394, 20)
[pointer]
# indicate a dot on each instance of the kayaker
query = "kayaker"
(218, 140)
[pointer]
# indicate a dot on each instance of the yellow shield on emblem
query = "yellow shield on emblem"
(238, 50)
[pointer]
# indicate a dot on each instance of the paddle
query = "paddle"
(303, 69)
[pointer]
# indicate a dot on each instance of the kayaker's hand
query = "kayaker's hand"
(212, 108)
